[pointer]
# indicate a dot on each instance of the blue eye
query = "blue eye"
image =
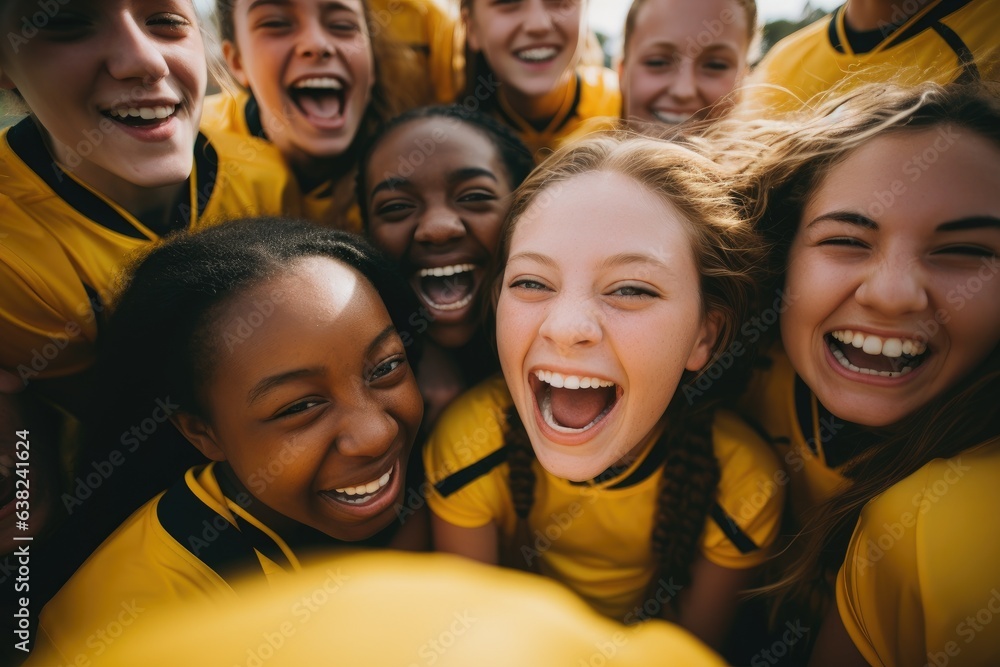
(528, 284)
(632, 291)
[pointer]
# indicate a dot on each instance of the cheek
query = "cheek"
(391, 239)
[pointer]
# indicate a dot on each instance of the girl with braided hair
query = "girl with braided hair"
(603, 461)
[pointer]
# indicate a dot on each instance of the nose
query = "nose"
(314, 41)
(134, 55)
(366, 429)
(538, 19)
(571, 323)
(894, 286)
(438, 225)
(684, 86)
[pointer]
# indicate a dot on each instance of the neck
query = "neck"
(864, 15)
(234, 489)
(310, 171)
(541, 109)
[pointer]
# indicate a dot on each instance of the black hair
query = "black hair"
(514, 155)
(160, 339)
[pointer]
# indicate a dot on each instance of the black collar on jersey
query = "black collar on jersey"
(865, 42)
(251, 112)
(207, 535)
(841, 440)
(545, 127)
(25, 139)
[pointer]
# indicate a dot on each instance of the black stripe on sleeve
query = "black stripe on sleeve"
(458, 480)
(970, 72)
(732, 530)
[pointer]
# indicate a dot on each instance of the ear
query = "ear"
(234, 62)
(199, 433)
(471, 38)
(709, 333)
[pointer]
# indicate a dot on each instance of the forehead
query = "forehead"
(599, 214)
(932, 174)
(424, 146)
(693, 26)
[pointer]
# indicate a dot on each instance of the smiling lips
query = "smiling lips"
(362, 493)
(573, 404)
(868, 354)
(537, 54)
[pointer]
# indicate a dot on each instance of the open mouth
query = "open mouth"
(671, 118)
(447, 288)
(536, 55)
(320, 98)
(362, 493)
(873, 355)
(573, 403)
(141, 116)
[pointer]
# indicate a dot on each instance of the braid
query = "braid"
(521, 482)
(687, 492)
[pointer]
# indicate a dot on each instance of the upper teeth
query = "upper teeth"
(539, 53)
(671, 118)
(369, 488)
(888, 347)
(320, 82)
(146, 113)
(560, 381)
(441, 271)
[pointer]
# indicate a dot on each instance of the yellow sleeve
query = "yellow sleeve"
(751, 495)
(47, 324)
(922, 572)
(469, 431)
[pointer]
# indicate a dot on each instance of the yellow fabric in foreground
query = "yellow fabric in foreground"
(398, 610)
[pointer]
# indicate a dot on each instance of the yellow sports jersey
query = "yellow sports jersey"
(239, 115)
(594, 94)
(61, 242)
(429, 31)
(944, 39)
(197, 542)
(921, 581)
(595, 536)
(780, 404)
(394, 609)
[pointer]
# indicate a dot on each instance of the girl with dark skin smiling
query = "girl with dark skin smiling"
(284, 352)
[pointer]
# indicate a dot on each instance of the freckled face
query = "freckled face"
(594, 330)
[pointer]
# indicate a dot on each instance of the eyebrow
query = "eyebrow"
(391, 183)
(849, 217)
(467, 173)
(539, 258)
(627, 258)
(973, 222)
(270, 382)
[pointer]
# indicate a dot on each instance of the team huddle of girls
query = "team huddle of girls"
(498, 328)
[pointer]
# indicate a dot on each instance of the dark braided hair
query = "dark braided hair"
(514, 155)
(727, 253)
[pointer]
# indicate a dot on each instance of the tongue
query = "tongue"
(447, 290)
(321, 105)
(875, 362)
(575, 408)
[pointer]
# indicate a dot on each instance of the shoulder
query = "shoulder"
(923, 559)
(252, 178)
(798, 42)
(740, 449)
(470, 430)
(224, 112)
